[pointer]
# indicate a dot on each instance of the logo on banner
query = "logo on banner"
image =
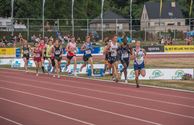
(131, 75)
(156, 74)
(178, 74)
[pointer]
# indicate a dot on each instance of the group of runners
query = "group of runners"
(114, 53)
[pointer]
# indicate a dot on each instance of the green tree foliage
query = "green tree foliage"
(83, 8)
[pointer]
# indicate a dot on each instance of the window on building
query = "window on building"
(179, 23)
(170, 24)
(8, 23)
(0, 23)
(106, 26)
(119, 26)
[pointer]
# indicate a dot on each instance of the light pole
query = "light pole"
(102, 6)
(72, 17)
(131, 32)
(12, 8)
(43, 17)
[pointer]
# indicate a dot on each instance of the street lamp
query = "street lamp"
(12, 8)
(43, 17)
(72, 17)
(131, 33)
(102, 6)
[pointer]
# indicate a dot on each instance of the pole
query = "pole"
(28, 34)
(131, 21)
(116, 26)
(87, 27)
(12, 8)
(58, 24)
(102, 19)
(72, 17)
(43, 18)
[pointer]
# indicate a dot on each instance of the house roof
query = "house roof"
(153, 10)
(110, 17)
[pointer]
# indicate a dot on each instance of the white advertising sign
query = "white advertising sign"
(158, 74)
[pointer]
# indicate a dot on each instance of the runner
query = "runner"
(106, 54)
(125, 50)
(112, 49)
(139, 56)
(42, 48)
(71, 50)
(58, 51)
(37, 57)
(87, 57)
(26, 54)
(48, 53)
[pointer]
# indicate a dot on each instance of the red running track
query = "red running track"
(29, 100)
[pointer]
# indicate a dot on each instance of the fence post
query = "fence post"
(87, 27)
(28, 29)
(116, 26)
(145, 38)
(58, 25)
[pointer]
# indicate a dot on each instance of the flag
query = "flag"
(160, 7)
(191, 7)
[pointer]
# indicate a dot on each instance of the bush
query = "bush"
(187, 76)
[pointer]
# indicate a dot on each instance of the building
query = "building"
(6, 25)
(111, 22)
(171, 17)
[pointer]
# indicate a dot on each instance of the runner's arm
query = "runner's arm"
(83, 47)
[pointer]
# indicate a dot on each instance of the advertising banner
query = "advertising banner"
(159, 74)
(7, 52)
(154, 48)
(179, 48)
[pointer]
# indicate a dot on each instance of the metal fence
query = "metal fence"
(152, 30)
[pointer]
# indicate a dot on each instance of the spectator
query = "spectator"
(33, 38)
(162, 41)
(4, 41)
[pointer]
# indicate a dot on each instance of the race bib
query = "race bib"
(125, 55)
(26, 52)
(88, 52)
(57, 52)
(114, 53)
(37, 55)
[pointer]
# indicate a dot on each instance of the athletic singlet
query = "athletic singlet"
(125, 52)
(89, 48)
(48, 50)
(113, 49)
(139, 56)
(72, 48)
(26, 50)
(37, 52)
(57, 51)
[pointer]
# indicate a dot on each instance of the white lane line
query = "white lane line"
(102, 99)
(12, 121)
(108, 81)
(84, 106)
(106, 92)
(47, 111)
(142, 91)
